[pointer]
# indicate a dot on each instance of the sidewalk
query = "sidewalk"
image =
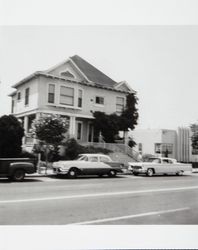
(42, 173)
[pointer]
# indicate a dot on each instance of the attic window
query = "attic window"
(67, 74)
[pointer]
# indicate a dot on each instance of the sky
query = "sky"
(159, 62)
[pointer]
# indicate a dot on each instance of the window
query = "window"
(140, 147)
(157, 148)
(67, 96)
(19, 96)
(104, 159)
(79, 130)
(80, 98)
(119, 105)
(99, 100)
(12, 108)
(51, 93)
(27, 93)
(165, 148)
(93, 159)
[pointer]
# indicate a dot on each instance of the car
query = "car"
(16, 168)
(159, 165)
(88, 164)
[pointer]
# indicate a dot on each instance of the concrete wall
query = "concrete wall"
(148, 138)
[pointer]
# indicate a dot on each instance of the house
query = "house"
(74, 89)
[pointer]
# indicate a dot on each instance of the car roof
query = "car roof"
(94, 155)
(162, 158)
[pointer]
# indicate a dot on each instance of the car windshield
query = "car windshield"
(82, 158)
(155, 160)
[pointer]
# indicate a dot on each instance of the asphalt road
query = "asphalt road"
(124, 200)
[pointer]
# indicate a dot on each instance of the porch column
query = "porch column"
(72, 126)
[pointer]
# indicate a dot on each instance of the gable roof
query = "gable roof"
(92, 73)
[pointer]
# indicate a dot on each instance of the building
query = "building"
(74, 89)
(161, 142)
(164, 142)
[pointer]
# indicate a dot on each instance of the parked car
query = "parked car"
(159, 165)
(16, 168)
(88, 164)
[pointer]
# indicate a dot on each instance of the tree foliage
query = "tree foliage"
(129, 116)
(11, 134)
(107, 125)
(110, 125)
(50, 129)
(194, 138)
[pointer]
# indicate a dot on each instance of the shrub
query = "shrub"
(73, 149)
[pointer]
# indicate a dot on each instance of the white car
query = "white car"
(159, 165)
(88, 164)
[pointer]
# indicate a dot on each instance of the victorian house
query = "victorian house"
(74, 89)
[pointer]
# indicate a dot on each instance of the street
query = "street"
(124, 200)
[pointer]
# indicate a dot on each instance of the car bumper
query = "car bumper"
(139, 171)
(58, 171)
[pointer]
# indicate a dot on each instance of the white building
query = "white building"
(164, 142)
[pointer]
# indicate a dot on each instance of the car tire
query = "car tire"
(180, 173)
(150, 172)
(73, 173)
(135, 174)
(112, 173)
(18, 175)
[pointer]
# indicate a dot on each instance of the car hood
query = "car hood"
(65, 163)
(139, 164)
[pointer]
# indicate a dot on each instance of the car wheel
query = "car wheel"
(72, 173)
(135, 174)
(180, 173)
(112, 173)
(150, 172)
(18, 175)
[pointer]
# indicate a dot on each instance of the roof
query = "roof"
(93, 76)
(92, 73)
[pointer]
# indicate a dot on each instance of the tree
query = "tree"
(50, 130)
(11, 134)
(110, 125)
(107, 125)
(194, 138)
(129, 116)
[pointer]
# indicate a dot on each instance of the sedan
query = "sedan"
(88, 164)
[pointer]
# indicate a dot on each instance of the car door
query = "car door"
(105, 164)
(167, 166)
(91, 166)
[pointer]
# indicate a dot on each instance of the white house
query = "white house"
(73, 89)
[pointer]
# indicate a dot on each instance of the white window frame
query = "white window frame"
(78, 97)
(50, 103)
(124, 99)
(99, 104)
(66, 105)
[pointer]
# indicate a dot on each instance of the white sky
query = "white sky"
(159, 62)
